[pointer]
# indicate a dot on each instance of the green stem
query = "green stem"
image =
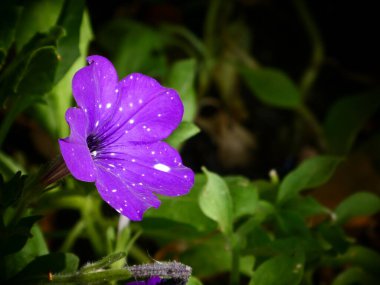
(235, 266)
(92, 277)
(311, 73)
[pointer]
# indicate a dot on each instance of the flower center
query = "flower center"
(93, 144)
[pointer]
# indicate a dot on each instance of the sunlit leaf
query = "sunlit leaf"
(355, 275)
(181, 78)
(358, 204)
(184, 131)
(244, 196)
(311, 173)
(216, 202)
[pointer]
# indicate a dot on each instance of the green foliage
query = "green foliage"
(216, 202)
(272, 87)
(346, 118)
(312, 173)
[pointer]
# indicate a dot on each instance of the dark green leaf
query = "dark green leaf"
(181, 78)
(363, 257)
(244, 195)
(334, 238)
(346, 118)
(184, 131)
(358, 204)
(306, 206)
(279, 270)
(41, 266)
(13, 263)
(291, 223)
(13, 238)
(355, 276)
(272, 87)
(68, 46)
(216, 202)
(35, 79)
(11, 190)
(9, 15)
(311, 173)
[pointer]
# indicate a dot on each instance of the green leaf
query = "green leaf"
(358, 204)
(104, 262)
(181, 78)
(184, 131)
(193, 281)
(272, 87)
(306, 206)
(355, 276)
(184, 209)
(38, 16)
(35, 79)
(51, 114)
(334, 238)
(311, 173)
(9, 16)
(68, 46)
(345, 119)
(11, 190)
(208, 258)
(13, 263)
(292, 223)
(134, 47)
(244, 195)
(363, 257)
(216, 202)
(279, 270)
(15, 237)
(62, 263)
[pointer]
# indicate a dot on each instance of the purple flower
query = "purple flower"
(116, 134)
(155, 280)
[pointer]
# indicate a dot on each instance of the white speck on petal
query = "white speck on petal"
(110, 164)
(94, 153)
(130, 105)
(108, 105)
(124, 169)
(133, 160)
(162, 167)
(140, 184)
(131, 121)
(113, 154)
(153, 152)
(140, 101)
(148, 129)
(117, 90)
(144, 127)
(85, 110)
(114, 190)
(159, 115)
(120, 109)
(100, 106)
(185, 176)
(97, 123)
(131, 76)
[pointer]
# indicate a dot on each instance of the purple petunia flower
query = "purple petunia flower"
(155, 280)
(116, 134)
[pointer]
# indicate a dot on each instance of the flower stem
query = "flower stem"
(311, 72)
(91, 277)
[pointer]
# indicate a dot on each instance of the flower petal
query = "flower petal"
(157, 167)
(146, 112)
(74, 148)
(94, 89)
(129, 201)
